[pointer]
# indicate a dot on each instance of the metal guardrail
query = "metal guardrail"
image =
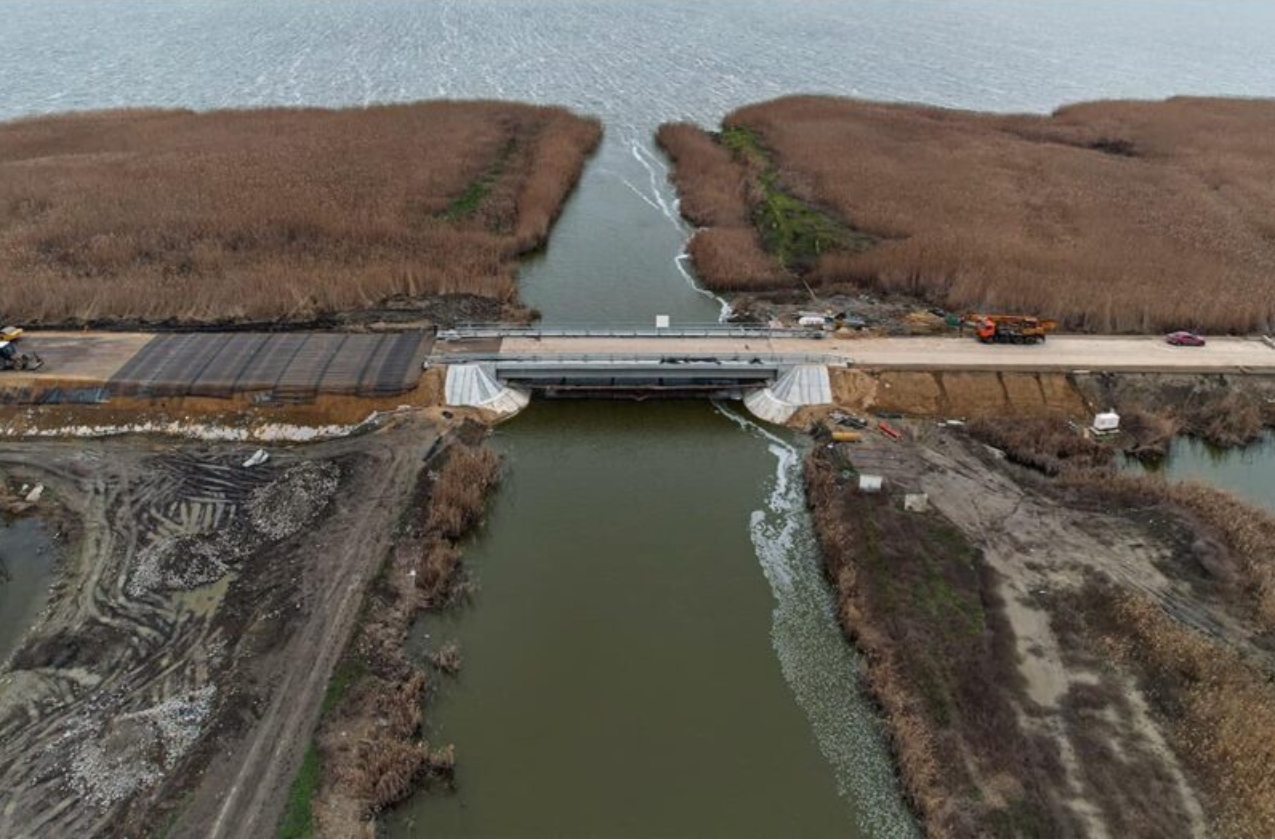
(710, 330)
(663, 359)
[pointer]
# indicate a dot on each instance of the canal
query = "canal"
(651, 649)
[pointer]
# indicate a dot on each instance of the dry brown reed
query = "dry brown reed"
(1220, 708)
(919, 604)
(277, 213)
(1245, 529)
(460, 491)
(370, 741)
(1111, 216)
(713, 186)
(1047, 443)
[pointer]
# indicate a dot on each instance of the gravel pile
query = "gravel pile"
(184, 562)
(133, 750)
(290, 502)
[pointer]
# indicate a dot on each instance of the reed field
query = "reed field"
(1117, 216)
(276, 214)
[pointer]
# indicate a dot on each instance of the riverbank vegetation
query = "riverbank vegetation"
(921, 605)
(1109, 216)
(276, 214)
(370, 749)
(1058, 647)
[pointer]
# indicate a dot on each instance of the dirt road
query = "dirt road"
(1114, 768)
(178, 676)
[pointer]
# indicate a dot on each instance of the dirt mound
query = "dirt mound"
(289, 503)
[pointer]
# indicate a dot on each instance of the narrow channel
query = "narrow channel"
(620, 667)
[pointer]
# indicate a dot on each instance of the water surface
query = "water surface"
(27, 556)
(1247, 471)
(652, 649)
(620, 675)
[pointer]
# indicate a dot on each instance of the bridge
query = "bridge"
(499, 367)
(775, 371)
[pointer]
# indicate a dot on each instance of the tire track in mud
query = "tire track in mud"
(135, 670)
(105, 719)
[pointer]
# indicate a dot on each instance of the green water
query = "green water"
(1249, 472)
(27, 559)
(651, 649)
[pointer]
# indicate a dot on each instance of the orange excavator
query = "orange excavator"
(1009, 329)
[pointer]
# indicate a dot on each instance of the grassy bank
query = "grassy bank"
(276, 214)
(368, 752)
(917, 600)
(1110, 216)
(1074, 651)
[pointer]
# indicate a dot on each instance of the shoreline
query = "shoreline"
(1049, 680)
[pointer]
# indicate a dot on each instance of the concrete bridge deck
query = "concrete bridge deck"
(1147, 354)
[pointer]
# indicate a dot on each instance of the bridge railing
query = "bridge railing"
(708, 330)
(642, 359)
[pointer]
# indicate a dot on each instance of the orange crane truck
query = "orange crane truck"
(1009, 329)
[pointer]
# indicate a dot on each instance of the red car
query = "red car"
(1182, 338)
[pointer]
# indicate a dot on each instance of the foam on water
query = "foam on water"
(818, 664)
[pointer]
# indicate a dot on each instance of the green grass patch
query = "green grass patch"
(794, 231)
(344, 677)
(298, 818)
(466, 204)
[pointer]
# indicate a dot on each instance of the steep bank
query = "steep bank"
(1222, 409)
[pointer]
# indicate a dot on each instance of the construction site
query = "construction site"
(899, 551)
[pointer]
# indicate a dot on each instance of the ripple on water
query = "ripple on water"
(818, 664)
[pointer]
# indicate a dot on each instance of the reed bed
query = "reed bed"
(153, 215)
(1219, 707)
(1115, 216)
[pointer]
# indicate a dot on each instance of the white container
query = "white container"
(870, 483)
(1106, 422)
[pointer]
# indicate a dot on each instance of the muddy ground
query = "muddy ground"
(1004, 719)
(175, 680)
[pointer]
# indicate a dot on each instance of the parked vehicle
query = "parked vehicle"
(1182, 338)
(1009, 329)
(11, 359)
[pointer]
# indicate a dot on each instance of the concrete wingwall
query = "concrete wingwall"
(477, 386)
(798, 387)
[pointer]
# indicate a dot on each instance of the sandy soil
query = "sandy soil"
(1039, 545)
(174, 684)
